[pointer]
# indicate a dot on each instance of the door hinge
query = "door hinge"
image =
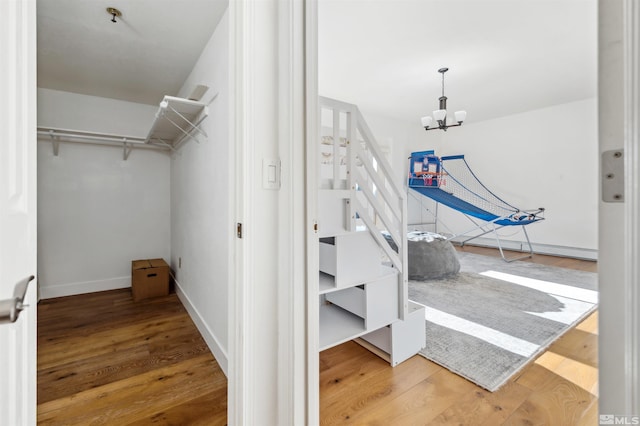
(613, 176)
(239, 230)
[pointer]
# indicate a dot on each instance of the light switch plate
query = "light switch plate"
(270, 173)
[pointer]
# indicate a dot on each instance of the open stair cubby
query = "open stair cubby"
(363, 281)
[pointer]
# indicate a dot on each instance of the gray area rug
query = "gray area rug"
(493, 318)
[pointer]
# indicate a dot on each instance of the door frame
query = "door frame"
(312, 162)
(619, 223)
(268, 330)
(631, 58)
(245, 42)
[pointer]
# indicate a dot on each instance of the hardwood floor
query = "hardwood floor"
(559, 388)
(103, 359)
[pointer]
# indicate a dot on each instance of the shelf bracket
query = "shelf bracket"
(55, 142)
(213, 98)
(160, 142)
(177, 120)
(126, 149)
(194, 127)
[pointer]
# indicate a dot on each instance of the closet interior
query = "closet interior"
(133, 151)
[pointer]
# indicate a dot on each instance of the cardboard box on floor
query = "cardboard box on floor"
(149, 278)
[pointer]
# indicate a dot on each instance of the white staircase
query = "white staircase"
(363, 280)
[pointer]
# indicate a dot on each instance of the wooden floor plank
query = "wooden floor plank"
(372, 386)
(73, 348)
(207, 410)
(557, 401)
(481, 407)
(70, 378)
(560, 387)
(338, 354)
(103, 359)
(420, 403)
(578, 345)
(109, 310)
(135, 398)
(95, 371)
(107, 360)
(351, 372)
(589, 325)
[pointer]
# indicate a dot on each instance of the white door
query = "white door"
(18, 209)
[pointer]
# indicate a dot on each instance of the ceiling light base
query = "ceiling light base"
(115, 13)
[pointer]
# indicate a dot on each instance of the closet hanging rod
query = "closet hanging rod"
(95, 136)
(115, 144)
(128, 143)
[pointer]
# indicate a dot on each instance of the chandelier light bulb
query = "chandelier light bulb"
(439, 114)
(460, 116)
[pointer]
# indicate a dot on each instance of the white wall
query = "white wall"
(396, 135)
(391, 134)
(93, 114)
(97, 212)
(542, 158)
(200, 222)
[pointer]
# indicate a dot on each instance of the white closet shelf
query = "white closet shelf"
(177, 120)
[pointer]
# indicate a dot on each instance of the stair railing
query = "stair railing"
(376, 199)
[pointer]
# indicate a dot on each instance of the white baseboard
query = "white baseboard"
(549, 249)
(214, 345)
(49, 291)
(563, 251)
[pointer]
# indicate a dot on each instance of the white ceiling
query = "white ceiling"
(147, 54)
(504, 56)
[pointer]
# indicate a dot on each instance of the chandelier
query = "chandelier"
(440, 115)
